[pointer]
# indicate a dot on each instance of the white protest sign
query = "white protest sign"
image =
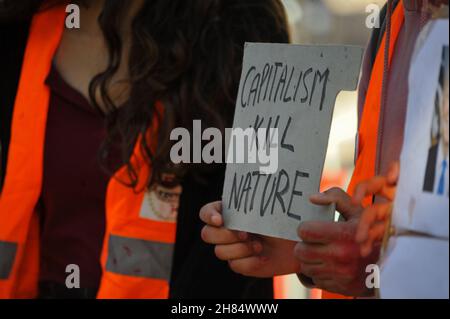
(286, 98)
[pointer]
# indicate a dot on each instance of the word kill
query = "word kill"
(279, 82)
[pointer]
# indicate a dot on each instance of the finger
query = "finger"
(334, 255)
(370, 187)
(306, 254)
(316, 271)
(220, 236)
(211, 214)
(238, 251)
(326, 284)
(317, 232)
(368, 217)
(326, 254)
(393, 173)
(251, 266)
(372, 214)
(375, 235)
(339, 197)
(388, 192)
(377, 186)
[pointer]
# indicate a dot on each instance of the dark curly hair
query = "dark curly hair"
(186, 54)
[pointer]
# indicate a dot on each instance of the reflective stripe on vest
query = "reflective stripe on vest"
(8, 253)
(137, 253)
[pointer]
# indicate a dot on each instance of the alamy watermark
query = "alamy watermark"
(242, 146)
(373, 277)
(373, 17)
(73, 277)
(73, 18)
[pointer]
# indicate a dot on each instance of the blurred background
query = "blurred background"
(330, 22)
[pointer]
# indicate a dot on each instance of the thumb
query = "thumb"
(211, 214)
(343, 201)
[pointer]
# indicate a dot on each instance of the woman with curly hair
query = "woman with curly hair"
(89, 196)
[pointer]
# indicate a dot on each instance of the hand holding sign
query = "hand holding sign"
(248, 255)
(286, 97)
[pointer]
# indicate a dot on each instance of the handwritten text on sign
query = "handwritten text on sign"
(290, 89)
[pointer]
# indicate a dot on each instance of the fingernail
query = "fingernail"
(300, 229)
(216, 219)
(365, 251)
(243, 236)
(318, 195)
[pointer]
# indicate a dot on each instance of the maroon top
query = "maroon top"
(72, 206)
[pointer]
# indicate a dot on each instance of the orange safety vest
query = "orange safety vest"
(137, 252)
(370, 125)
(365, 167)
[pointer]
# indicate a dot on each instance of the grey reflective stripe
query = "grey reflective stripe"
(139, 258)
(8, 252)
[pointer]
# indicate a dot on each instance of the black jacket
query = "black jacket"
(197, 273)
